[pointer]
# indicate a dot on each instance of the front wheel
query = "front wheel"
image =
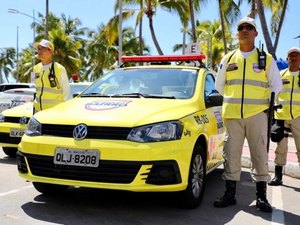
(191, 197)
(49, 189)
(11, 152)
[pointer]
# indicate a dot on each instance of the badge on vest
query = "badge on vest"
(285, 81)
(36, 75)
(231, 67)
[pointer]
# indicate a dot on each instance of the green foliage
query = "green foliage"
(7, 56)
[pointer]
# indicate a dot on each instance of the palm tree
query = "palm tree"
(73, 27)
(7, 59)
(25, 65)
(100, 54)
(66, 50)
(131, 44)
(67, 39)
(228, 12)
(139, 18)
(263, 22)
(149, 8)
(210, 36)
(194, 6)
(278, 9)
(279, 12)
(53, 23)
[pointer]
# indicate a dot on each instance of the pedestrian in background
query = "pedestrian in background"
(289, 98)
(51, 80)
(245, 78)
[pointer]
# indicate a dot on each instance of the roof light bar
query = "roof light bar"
(163, 58)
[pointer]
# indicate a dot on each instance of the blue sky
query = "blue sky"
(94, 12)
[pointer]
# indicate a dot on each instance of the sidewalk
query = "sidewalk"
(292, 167)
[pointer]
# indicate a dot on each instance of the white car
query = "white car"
(7, 86)
(14, 97)
(13, 122)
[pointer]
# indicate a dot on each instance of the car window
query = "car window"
(209, 85)
(13, 86)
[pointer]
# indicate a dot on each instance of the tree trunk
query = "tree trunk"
(47, 20)
(264, 27)
(141, 32)
(280, 24)
(222, 27)
(253, 11)
(160, 52)
(184, 31)
(149, 12)
(192, 18)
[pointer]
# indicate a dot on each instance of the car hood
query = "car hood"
(125, 112)
(25, 109)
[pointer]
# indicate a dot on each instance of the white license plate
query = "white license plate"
(16, 132)
(76, 157)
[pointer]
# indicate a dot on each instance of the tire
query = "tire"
(11, 152)
(49, 189)
(192, 196)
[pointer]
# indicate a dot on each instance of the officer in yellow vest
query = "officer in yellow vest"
(245, 78)
(289, 98)
(51, 80)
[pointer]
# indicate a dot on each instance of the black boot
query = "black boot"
(277, 180)
(261, 197)
(229, 196)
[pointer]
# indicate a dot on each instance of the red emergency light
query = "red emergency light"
(75, 77)
(163, 58)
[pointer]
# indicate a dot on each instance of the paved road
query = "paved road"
(21, 204)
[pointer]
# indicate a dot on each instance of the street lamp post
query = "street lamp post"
(47, 20)
(33, 17)
(299, 39)
(120, 32)
(209, 47)
(17, 53)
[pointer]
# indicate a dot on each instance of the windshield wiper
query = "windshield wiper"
(141, 95)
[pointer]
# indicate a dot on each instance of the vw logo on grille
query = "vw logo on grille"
(80, 132)
(23, 120)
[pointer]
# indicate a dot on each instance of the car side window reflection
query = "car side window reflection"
(209, 85)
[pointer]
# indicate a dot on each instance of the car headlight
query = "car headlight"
(34, 128)
(2, 118)
(166, 131)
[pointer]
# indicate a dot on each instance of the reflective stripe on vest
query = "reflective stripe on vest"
(289, 97)
(250, 82)
(246, 91)
(245, 101)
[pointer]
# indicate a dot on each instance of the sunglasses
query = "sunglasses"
(248, 27)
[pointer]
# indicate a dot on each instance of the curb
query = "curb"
(290, 169)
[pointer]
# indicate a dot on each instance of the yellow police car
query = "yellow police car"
(146, 128)
(13, 121)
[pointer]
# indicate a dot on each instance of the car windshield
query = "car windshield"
(176, 83)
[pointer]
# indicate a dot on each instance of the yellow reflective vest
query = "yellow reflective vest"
(246, 91)
(47, 96)
(289, 97)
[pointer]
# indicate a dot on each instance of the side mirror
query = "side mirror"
(214, 99)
